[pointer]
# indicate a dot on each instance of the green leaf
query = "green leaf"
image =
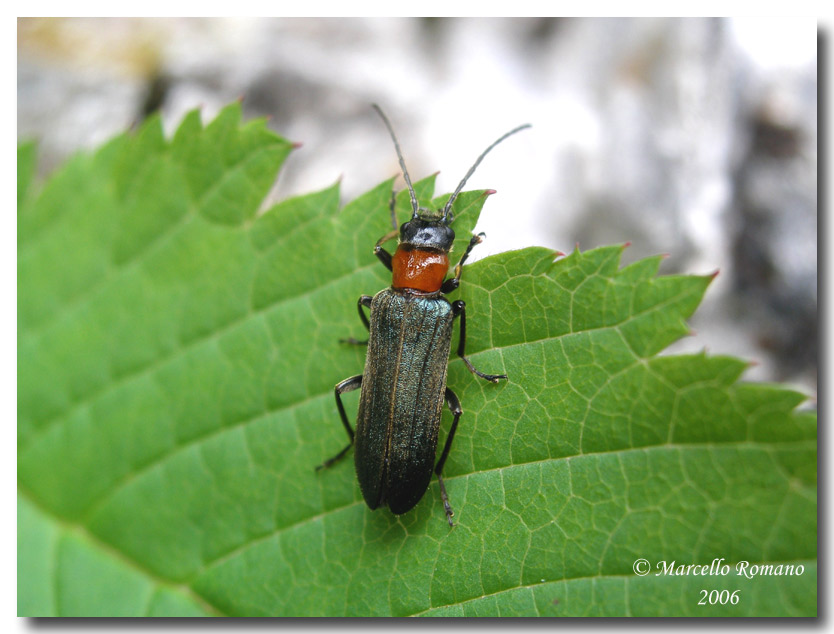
(177, 353)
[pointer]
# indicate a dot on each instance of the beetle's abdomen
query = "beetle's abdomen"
(402, 397)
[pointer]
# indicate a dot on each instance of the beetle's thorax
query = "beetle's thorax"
(421, 260)
(419, 270)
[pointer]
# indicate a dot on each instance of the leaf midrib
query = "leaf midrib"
(749, 444)
(186, 586)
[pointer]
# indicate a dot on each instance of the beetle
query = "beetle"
(403, 386)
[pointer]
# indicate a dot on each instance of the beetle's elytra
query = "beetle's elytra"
(410, 336)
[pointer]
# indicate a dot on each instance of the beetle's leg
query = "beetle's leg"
(453, 282)
(459, 310)
(381, 253)
(348, 385)
(364, 300)
(384, 257)
(454, 406)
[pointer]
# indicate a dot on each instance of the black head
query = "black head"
(424, 233)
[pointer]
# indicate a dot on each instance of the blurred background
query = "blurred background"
(695, 138)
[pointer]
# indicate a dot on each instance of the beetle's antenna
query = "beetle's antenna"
(472, 169)
(414, 205)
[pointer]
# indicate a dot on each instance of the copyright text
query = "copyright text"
(716, 568)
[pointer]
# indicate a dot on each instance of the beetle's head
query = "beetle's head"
(428, 232)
